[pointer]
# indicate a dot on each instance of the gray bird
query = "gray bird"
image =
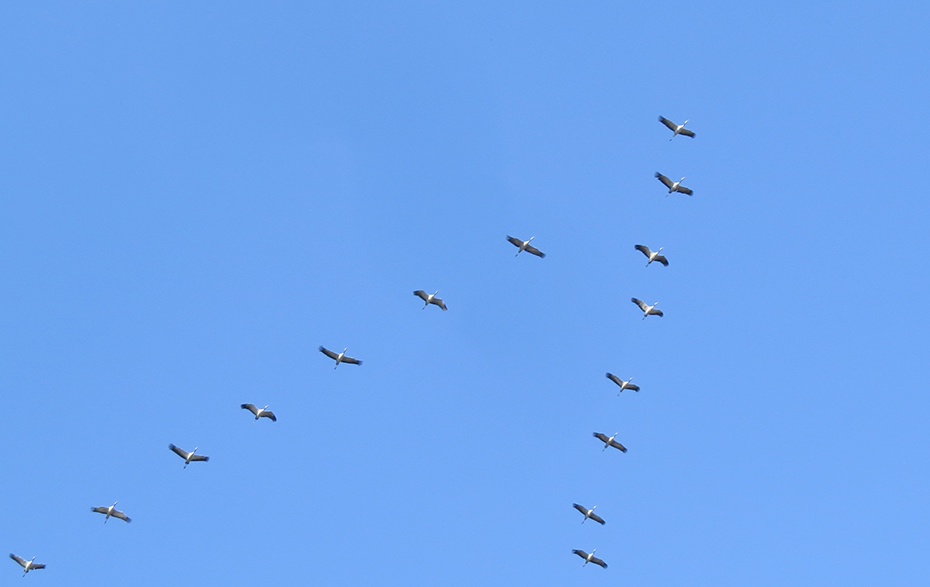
(259, 412)
(30, 565)
(430, 299)
(647, 309)
(589, 513)
(590, 558)
(623, 384)
(188, 457)
(673, 186)
(339, 357)
(677, 129)
(652, 255)
(111, 511)
(609, 441)
(525, 246)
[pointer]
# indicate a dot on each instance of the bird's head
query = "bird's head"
(684, 123)
(266, 407)
(195, 449)
(344, 350)
(531, 238)
(660, 249)
(681, 180)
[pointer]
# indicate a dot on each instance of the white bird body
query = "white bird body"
(188, 457)
(674, 186)
(677, 129)
(525, 246)
(339, 357)
(589, 513)
(430, 299)
(647, 309)
(623, 384)
(260, 412)
(30, 565)
(652, 255)
(111, 511)
(590, 558)
(609, 441)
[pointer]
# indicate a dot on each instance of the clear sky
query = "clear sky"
(196, 195)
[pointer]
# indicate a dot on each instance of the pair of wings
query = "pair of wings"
(335, 356)
(648, 252)
(186, 455)
(620, 382)
(673, 127)
(115, 514)
(645, 307)
(594, 559)
(254, 410)
(23, 562)
(425, 297)
(584, 511)
(606, 440)
(669, 183)
(529, 248)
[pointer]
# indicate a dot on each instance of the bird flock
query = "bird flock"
(341, 357)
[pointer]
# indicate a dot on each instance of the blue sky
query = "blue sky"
(196, 196)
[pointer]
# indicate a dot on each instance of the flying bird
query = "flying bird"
(623, 384)
(111, 511)
(652, 255)
(259, 412)
(673, 186)
(647, 309)
(188, 457)
(525, 246)
(609, 441)
(430, 299)
(339, 357)
(677, 129)
(589, 513)
(30, 565)
(590, 558)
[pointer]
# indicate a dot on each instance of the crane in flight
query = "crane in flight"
(430, 299)
(30, 565)
(590, 558)
(652, 255)
(339, 357)
(609, 441)
(111, 511)
(589, 513)
(188, 457)
(673, 186)
(259, 412)
(647, 309)
(525, 246)
(623, 384)
(677, 129)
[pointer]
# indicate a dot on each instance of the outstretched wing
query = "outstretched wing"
(421, 294)
(580, 508)
(632, 386)
(351, 361)
(19, 559)
(662, 259)
(668, 183)
(330, 353)
(250, 407)
(440, 303)
(617, 445)
(615, 379)
(99, 510)
(535, 251)
(597, 519)
(642, 305)
(199, 458)
(580, 553)
(686, 132)
(598, 561)
(124, 517)
(643, 249)
(654, 312)
(269, 415)
(36, 566)
(684, 190)
(602, 437)
(179, 451)
(515, 241)
(671, 125)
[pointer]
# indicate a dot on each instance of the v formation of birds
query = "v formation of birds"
(342, 357)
